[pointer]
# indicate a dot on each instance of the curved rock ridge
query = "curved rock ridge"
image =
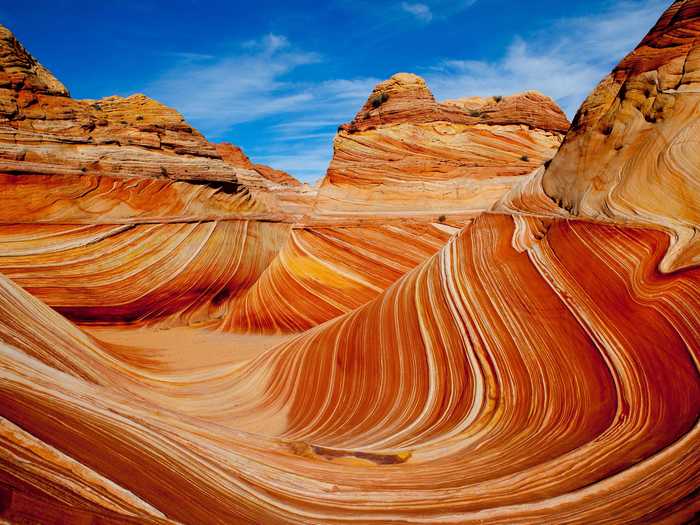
(323, 272)
(633, 153)
(406, 154)
(249, 276)
(454, 397)
(182, 273)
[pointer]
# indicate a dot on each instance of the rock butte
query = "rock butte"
(406, 154)
(251, 352)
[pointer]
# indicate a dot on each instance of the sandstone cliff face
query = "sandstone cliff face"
(99, 158)
(406, 154)
(633, 153)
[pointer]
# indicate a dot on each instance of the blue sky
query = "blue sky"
(278, 77)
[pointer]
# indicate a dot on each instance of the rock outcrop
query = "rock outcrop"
(405, 154)
(633, 153)
(104, 160)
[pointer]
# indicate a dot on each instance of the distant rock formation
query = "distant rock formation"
(406, 154)
(124, 150)
(235, 155)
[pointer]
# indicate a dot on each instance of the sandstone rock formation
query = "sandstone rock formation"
(406, 154)
(184, 272)
(323, 272)
(235, 155)
(633, 153)
(104, 160)
(540, 365)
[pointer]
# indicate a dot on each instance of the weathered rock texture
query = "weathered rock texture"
(406, 154)
(117, 159)
(539, 367)
(633, 153)
(113, 273)
(323, 272)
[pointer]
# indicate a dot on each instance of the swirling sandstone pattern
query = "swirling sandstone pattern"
(540, 365)
(633, 153)
(187, 272)
(337, 440)
(324, 272)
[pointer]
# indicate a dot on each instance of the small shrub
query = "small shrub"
(525, 158)
(442, 218)
(139, 117)
(379, 99)
(475, 113)
(498, 98)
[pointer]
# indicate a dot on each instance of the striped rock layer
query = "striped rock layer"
(633, 153)
(538, 363)
(405, 154)
(447, 399)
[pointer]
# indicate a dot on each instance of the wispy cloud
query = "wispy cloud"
(303, 146)
(565, 62)
(217, 93)
(430, 10)
(261, 80)
(421, 11)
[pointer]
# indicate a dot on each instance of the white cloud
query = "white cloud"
(421, 11)
(216, 93)
(430, 10)
(565, 62)
(268, 44)
(303, 145)
(252, 83)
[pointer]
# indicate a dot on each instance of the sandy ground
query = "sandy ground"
(181, 348)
